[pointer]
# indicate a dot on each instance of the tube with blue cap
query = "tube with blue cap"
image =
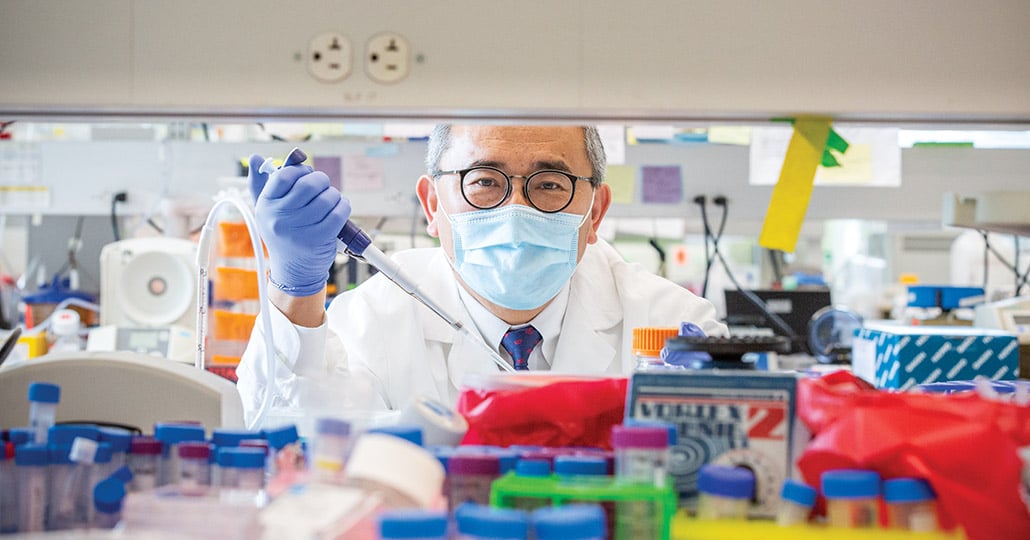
(354, 242)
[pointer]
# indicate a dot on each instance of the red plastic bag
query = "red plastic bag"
(564, 413)
(964, 445)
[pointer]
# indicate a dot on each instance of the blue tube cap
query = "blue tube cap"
(241, 458)
(280, 437)
(569, 522)
(44, 392)
(724, 481)
(332, 426)
(66, 433)
(21, 435)
(123, 474)
(104, 453)
(108, 496)
(850, 484)
(669, 426)
(231, 437)
(580, 465)
(31, 455)
(799, 493)
(904, 490)
(488, 522)
(59, 454)
(119, 439)
(177, 433)
(399, 524)
(412, 434)
(533, 467)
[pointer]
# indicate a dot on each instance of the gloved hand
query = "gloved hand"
(299, 215)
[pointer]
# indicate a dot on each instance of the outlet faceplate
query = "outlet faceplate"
(387, 57)
(329, 57)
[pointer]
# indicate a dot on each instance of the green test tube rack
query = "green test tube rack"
(513, 491)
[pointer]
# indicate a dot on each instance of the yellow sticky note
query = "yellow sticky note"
(738, 135)
(856, 167)
(793, 190)
(622, 180)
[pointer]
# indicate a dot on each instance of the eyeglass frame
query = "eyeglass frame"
(525, 185)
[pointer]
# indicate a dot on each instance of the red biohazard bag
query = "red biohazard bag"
(553, 413)
(963, 444)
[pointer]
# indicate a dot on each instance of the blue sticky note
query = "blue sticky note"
(661, 184)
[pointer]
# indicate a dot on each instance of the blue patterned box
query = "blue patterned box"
(900, 357)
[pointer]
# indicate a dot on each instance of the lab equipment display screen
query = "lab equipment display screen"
(795, 307)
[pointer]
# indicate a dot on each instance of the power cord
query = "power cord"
(121, 196)
(776, 321)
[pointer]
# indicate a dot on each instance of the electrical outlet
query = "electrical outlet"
(387, 57)
(329, 57)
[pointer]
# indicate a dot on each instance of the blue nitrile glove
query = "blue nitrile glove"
(299, 215)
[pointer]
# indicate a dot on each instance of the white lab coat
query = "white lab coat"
(379, 348)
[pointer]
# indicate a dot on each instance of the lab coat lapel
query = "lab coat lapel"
(442, 288)
(589, 335)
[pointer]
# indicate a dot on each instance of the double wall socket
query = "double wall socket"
(387, 57)
(329, 57)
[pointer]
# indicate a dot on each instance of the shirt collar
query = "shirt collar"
(547, 322)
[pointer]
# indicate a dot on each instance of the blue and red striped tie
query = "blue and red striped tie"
(519, 342)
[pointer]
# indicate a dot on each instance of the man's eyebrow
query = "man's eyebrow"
(559, 165)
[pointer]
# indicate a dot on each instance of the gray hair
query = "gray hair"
(441, 138)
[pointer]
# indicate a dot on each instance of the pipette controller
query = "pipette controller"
(354, 242)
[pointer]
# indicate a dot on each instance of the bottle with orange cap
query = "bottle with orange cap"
(647, 345)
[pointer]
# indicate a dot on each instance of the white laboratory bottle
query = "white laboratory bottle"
(64, 329)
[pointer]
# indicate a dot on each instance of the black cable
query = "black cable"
(701, 201)
(155, 226)
(774, 259)
(121, 196)
(771, 316)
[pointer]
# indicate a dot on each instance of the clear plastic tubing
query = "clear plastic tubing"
(144, 460)
(569, 522)
(330, 448)
(31, 460)
(911, 504)
(171, 435)
(796, 502)
(724, 492)
(242, 468)
(469, 477)
(412, 525)
(43, 399)
(194, 464)
(852, 498)
(8, 490)
(480, 522)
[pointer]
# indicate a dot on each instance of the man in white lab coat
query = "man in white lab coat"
(516, 209)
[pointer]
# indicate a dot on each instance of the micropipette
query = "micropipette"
(354, 242)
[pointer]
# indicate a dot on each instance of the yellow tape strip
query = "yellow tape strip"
(790, 197)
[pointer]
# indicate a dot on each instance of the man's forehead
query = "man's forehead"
(532, 143)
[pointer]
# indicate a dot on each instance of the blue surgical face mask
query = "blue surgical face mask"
(516, 256)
